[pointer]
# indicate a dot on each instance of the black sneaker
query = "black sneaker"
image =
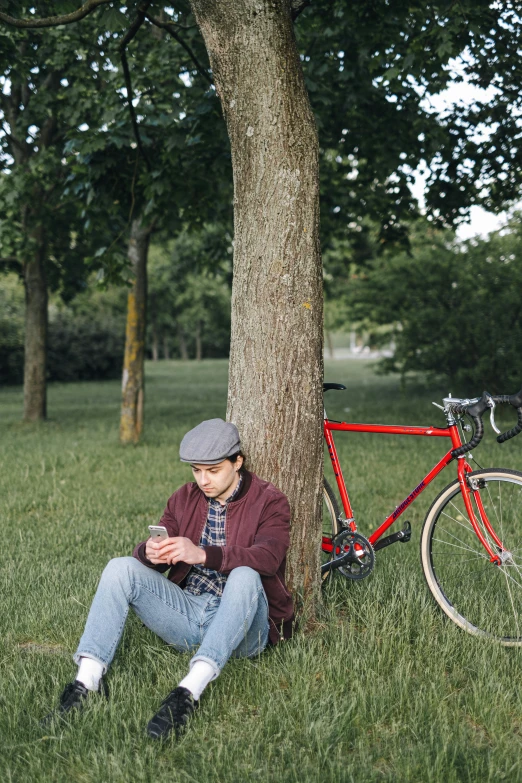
(74, 697)
(174, 713)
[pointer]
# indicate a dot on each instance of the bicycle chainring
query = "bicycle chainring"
(358, 552)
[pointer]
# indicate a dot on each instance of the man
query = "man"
(225, 595)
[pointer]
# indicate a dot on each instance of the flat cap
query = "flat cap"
(210, 442)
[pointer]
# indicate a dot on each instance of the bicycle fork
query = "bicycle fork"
(470, 488)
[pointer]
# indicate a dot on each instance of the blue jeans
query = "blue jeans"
(234, 625)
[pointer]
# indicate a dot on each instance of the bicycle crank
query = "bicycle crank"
(353, 555)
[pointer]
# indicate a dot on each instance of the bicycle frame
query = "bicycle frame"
(463, 467)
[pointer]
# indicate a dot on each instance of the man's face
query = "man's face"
(218, 481)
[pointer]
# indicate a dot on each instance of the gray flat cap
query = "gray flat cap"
(210, 442)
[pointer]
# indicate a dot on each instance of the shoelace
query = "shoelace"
(70, 689)
(177, 705)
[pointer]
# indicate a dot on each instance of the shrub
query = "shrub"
(83, 344)
(11, 330)
(84, 349)
(456, 310)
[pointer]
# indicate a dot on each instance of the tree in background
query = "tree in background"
(46, 87)
(480, 161)
(454, 308)
(189, 293)
(11, 330)
(85, 335)
(371, 69)
(151, 165)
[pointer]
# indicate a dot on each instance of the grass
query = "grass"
(383, 689)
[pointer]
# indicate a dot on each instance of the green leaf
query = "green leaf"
(114, 21)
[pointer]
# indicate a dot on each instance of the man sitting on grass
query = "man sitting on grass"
(225, 595)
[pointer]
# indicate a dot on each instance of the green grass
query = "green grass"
(383, 689)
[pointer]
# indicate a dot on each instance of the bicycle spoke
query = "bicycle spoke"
(454, 554)
(512, 604)
(468, 528)
(469, 548)
(519, 584)
(473, 573)
(515, 566)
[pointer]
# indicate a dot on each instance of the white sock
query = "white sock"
(198, 678)
(90, 673)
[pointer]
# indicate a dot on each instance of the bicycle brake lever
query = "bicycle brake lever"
(437, 405)
(492, 406)
(492, 419)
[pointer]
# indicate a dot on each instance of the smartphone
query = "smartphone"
(158, 532)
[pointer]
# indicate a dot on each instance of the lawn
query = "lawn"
(383, 689)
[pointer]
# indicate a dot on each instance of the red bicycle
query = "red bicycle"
(471, 541)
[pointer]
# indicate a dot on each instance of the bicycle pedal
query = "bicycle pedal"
(406, 531)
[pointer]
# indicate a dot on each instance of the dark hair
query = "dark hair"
(234, 457)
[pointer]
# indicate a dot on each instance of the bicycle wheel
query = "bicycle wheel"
(482, 598)
(330, 511)
(330, 522)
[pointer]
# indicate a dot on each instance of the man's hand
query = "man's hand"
(175, 550)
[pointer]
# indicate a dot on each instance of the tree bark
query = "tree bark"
(183, 350)
(15, 106)
(199, 346)
(166, 349)
(133, 382)
(35, 354)
(276, 357)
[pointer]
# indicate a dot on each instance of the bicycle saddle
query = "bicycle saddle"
(337, 386)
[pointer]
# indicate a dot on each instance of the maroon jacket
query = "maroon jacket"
(257, 530)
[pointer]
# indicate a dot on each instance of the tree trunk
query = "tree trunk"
(35, 356)
(199, 347)
(276, 357)
(155, 337)
(166, 350)
(183, 351)
(133, 382)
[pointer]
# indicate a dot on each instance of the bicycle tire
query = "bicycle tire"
(331, 511)
(481, 598)
(330, 521)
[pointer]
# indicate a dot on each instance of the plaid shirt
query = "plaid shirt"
(201, 579)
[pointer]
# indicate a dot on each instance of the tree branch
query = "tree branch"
(54, 21)
(152, 225)
(22, 146)
(170, 28)
(297, 6)
(129, 35)
(24, 149)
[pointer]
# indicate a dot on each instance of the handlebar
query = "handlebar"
(476, 410)
(516, 429)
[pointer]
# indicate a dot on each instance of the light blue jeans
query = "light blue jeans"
(234, 625)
